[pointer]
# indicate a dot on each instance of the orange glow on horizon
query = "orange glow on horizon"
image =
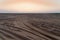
(28, 5)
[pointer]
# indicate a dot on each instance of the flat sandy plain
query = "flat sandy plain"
(29, 26)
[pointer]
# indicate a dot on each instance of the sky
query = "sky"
(30, 6)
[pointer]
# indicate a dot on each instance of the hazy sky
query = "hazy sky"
(30, 5)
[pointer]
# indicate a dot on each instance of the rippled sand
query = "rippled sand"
(29, 26)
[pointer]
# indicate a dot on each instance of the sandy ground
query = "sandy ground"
(30, 26)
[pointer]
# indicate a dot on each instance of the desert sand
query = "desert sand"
(29, 26)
